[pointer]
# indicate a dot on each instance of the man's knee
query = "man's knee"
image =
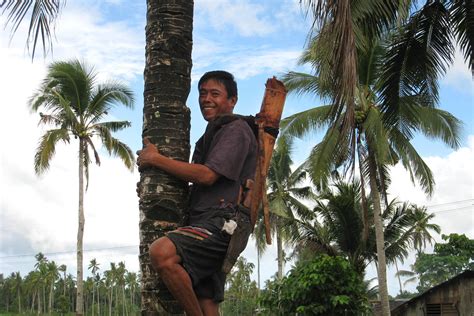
(163, 254)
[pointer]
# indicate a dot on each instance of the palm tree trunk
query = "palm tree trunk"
(39, 302)
(80, 233)
(19, 300)
(280, 258)
(363, 199)
(258, 269)
(51, 295)
(33, 301)
(399, 278)
(110, 301)
(379, 237)
(98, 300)
(166, 122)
(93, 297)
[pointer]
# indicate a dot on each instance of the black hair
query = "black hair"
(224, 77)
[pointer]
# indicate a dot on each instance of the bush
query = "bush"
(324, 286)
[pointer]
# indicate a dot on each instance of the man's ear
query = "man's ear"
(233, 101)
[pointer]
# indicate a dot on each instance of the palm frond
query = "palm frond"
(434, 123)
(321, 161)
(304, 122)
(413, 162)
(74, 80)
(462, 17)
(47, 147)
(43, 16)
(305, 84)
(105, 97)
(417, 57)
(114, 126)
(376, 135)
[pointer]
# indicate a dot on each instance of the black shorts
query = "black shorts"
(202, 250)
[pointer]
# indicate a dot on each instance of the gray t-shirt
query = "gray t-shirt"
(232, 154)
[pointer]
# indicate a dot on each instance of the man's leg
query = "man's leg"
(209, 307)
(167, 263)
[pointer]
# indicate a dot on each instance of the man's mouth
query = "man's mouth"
(208, 107)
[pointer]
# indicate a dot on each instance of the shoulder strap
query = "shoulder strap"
(214, 126)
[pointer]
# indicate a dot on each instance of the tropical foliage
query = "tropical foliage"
(241, 292)
(46, 290)
(338, 229)
(447, 260)
(326, 285)
(76, 106)
(286, 197)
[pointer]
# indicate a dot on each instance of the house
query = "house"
(452, 297)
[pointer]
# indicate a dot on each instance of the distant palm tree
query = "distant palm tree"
(339, 209)
(94, 267)
(18, 286)
(286, 192)
(421, 232)
(76, 106)
(51, 277)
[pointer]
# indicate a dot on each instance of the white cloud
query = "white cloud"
(247, 18)
(40, 213)
(243, 62)
(458, 75)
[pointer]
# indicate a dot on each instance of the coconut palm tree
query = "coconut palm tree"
(341, 218)
(51, 277)
(94, 267)
(284, 200)
(166, 122)
(430, 31)
(77, 106)
(375, 142)
(422, 231)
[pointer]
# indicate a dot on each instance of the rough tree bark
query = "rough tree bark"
(166, 122)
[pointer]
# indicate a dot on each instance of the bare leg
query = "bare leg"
(167, 263)
(209, 307)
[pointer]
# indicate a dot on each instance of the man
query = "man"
(189, 259)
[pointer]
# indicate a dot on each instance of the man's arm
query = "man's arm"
(149, 156)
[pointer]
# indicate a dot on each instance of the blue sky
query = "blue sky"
(255, 40)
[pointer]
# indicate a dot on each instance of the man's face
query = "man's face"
(213, 100)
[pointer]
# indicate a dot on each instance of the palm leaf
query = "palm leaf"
(417, 57)
(105, 97)
(304, 122)
(462, 20)
(412, 162)
(47, 147)
(43, 15)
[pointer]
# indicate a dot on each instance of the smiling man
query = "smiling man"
(189, 259)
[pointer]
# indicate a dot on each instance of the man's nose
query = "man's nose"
(206, 97)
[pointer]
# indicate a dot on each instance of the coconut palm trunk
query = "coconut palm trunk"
(166, 122)
(80, 234)
(280, 255)
(379, 236)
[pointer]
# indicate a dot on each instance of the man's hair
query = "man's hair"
(224, 77)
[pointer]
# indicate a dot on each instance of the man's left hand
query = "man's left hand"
(147, 155)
